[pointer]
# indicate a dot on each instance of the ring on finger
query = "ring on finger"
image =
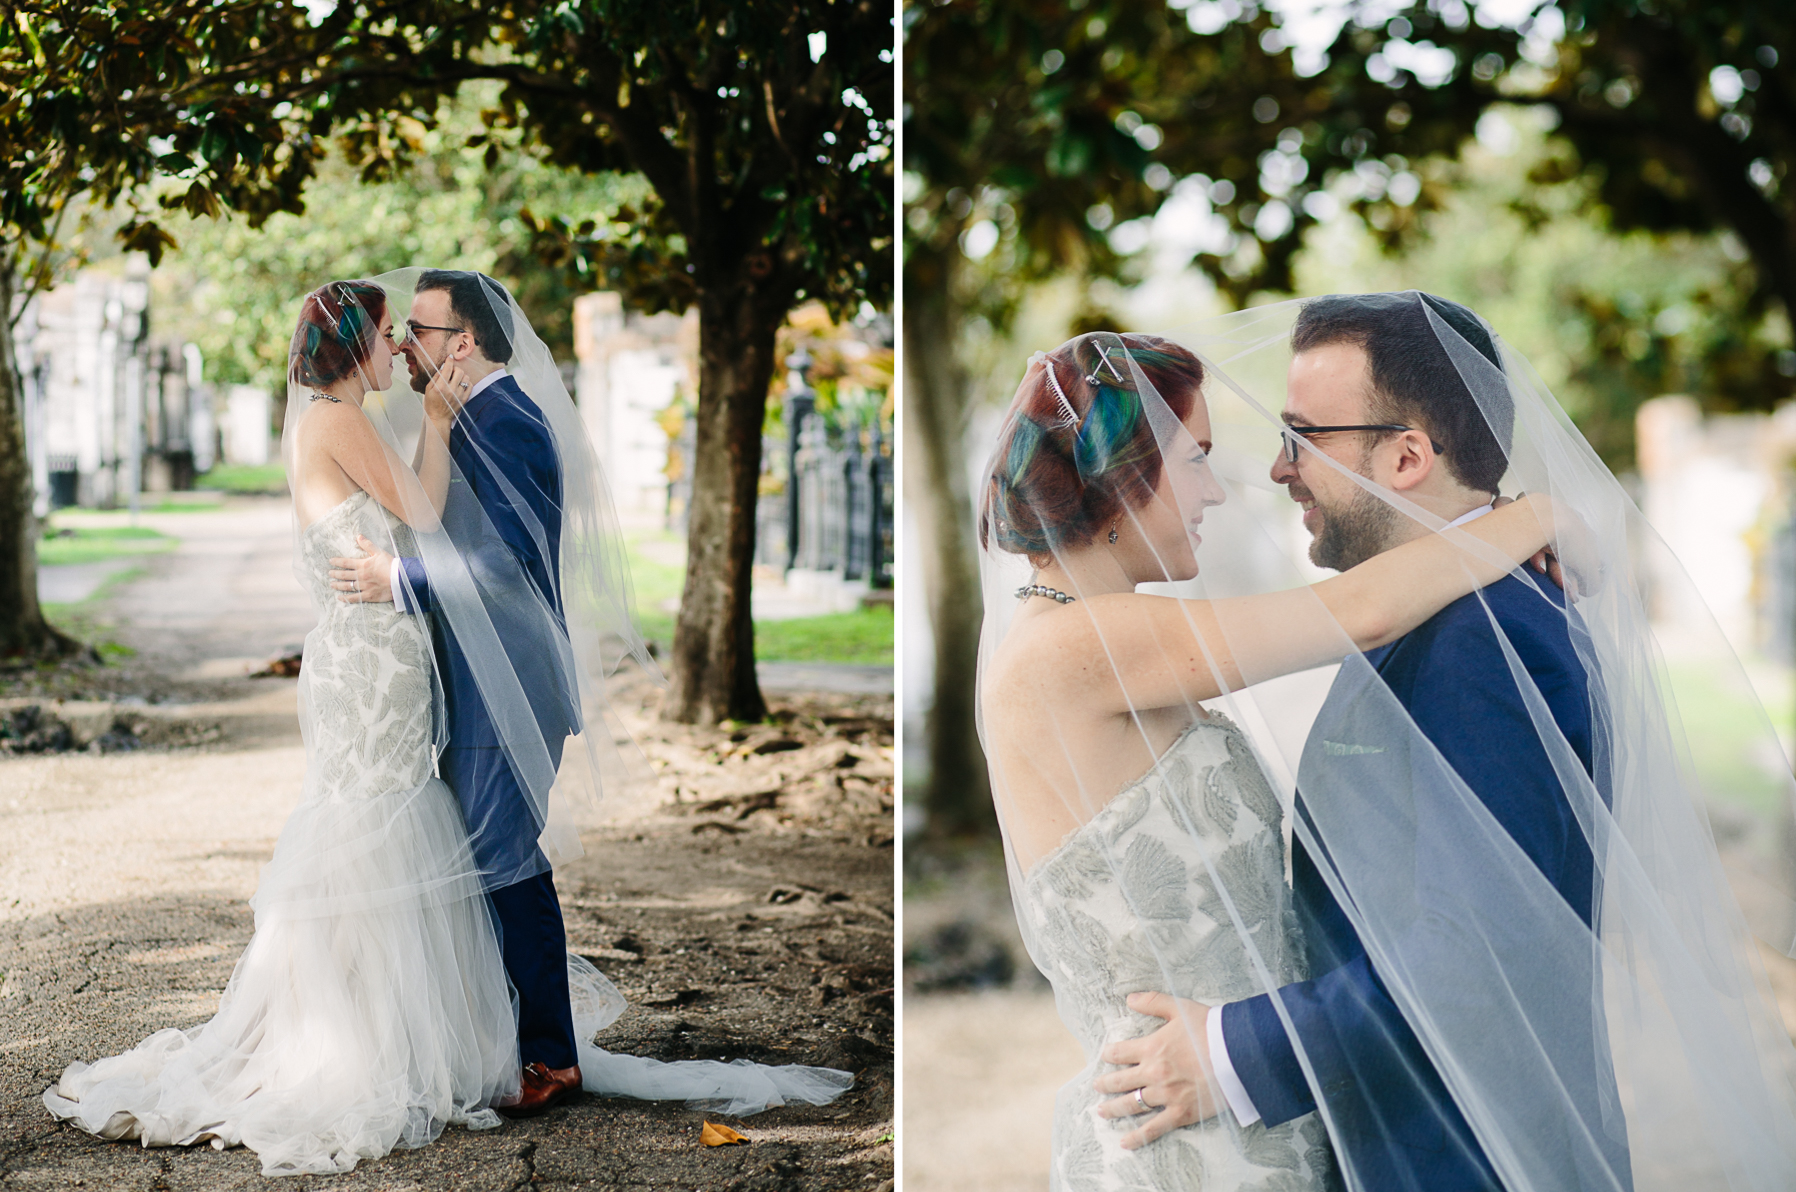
(1141, 1100)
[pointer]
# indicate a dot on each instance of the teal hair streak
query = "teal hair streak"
(1107, 429)
(1025, 441)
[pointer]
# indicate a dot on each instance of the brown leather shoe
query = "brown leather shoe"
(540, 1089)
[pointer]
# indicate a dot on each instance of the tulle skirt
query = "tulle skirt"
(369, 1010)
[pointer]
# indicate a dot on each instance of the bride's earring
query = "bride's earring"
(1112, 533)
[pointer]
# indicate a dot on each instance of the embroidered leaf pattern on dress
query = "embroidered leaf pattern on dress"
(367, 672)
(1219, 806)
(1255, 792)
(1267, 1149)
(1128, 903)
(1154, 880)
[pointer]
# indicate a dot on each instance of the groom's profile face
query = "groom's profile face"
(427, 351)
(1331, 385)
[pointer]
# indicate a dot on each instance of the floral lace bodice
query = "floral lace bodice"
(366, 678)
(1133, 901)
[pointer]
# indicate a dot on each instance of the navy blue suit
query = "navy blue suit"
(1395, 1122)
(504, 515)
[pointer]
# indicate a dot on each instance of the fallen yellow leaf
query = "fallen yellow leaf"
(715, 1135)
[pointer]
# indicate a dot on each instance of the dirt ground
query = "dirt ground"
(742, 899)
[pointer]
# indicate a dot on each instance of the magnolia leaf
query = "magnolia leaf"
(216, 141)
(147, 238)
(201, 201)
(715, 1135)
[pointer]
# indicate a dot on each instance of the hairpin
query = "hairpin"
(1069, 417)
(1104, 362)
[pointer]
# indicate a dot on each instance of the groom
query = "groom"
(507, 478)
(1374, 372)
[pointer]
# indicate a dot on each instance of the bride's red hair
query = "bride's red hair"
(1071, 460)
(337, 326)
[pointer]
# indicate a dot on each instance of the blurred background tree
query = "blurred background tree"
(761, 134)
(234, 289)
(1602, 179)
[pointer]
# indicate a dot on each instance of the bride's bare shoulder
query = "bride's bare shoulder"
(1033, 648)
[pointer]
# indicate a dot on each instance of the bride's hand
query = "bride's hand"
(446, 393)
(1170, 1067)
(1569, 536)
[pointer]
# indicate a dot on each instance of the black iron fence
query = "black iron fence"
(827, 491)
(841, 473)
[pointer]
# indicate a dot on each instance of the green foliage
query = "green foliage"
(1722, 725)
(1674, 114)
(1608, 318)
(235, 290)
(1053, 123)
(1670, 119)
(773, 168)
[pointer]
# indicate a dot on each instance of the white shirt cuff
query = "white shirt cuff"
(1233, 1091)
(398, 586)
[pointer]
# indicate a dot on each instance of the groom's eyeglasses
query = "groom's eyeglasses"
(409, 330)
(1290, 434)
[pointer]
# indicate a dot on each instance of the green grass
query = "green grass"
(97, 544)
(861, 637)
(1722, 726)
(864, 636)
(82, 622)
(244, 478)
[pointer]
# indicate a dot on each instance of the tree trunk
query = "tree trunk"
(24, 634)
(957, 796)
(714, 640)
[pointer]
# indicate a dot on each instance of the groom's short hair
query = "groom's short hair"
(480, 304)
(1415, 381)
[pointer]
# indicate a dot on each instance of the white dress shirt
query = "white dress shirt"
(394, 571)
(1233, 1091)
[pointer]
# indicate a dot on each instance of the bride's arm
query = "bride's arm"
(1149, 651)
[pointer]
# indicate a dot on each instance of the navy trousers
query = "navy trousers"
(526, 912)
(534, 944)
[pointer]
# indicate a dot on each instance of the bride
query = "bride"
(372, 1006)
(1117, 791)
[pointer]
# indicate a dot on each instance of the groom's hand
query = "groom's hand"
(367, 580)
(1171, 1067)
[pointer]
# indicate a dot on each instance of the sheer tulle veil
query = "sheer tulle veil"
(1612, 1029)
(530, 582)
(540, 645)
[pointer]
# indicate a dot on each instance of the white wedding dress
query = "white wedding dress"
(1126, 904)
(371, 1007)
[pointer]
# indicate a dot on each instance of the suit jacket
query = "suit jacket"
(1395, 1121)
(504, 515)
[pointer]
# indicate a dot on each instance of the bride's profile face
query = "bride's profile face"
(1167, 526)
(380, 355)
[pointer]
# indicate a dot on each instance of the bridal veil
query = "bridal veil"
(1610, 1027)
(540, 644)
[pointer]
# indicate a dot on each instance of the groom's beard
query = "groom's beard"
(420, 375)
(1351, 532)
